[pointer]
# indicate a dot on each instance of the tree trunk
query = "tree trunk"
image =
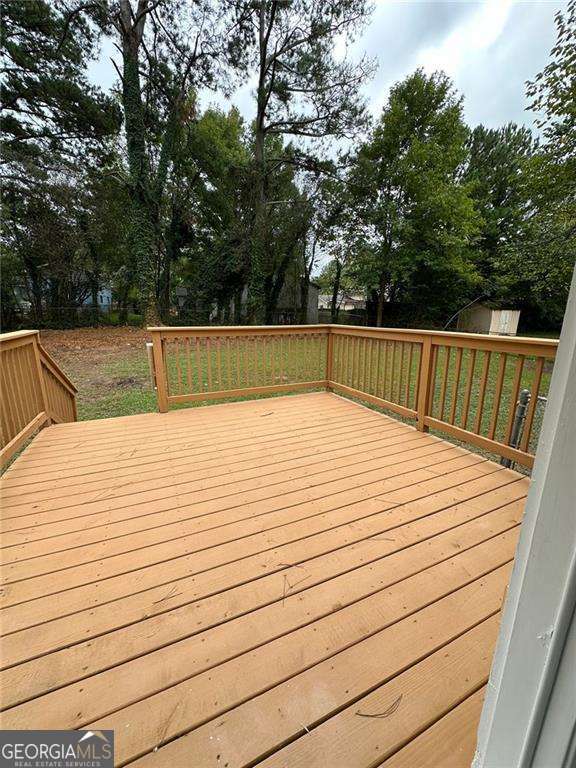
(123, 304)
(259, 308)
(334, 308)
(304, 294)
(142, 245)
(171, 254)
(238, 305)
(381, 300)
(94, 291)
(36, 289)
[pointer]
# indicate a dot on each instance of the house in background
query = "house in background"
(489, 318)
(104, 298)
(288, 308)
(346, 301)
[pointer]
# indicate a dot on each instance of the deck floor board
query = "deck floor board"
(232, 585)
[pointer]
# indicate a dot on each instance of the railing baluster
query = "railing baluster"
(188, 365)
(348, 360)
(535, 389)
(482, 392)
(14, 359)
(209, 363)
(281, 360)
(28, 402)
(384, 389)
(442, 403)
(8, 406)
(236, 345)
(514, 397)
(333, 357)
(252, 361)
(393, 376)
(199, 372)
(470, 381)
(456, 384)
(401, 376)
(218, 355)
(228, 364)
(409, 375)
(497, 395)
(178, 368)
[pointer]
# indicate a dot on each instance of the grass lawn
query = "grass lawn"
(109, 366)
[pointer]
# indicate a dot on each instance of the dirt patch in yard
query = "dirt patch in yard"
(99, 339)
(108, 365)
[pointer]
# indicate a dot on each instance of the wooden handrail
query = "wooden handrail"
(55, 369)
(463, 384)
(216, 362)
(35, 391)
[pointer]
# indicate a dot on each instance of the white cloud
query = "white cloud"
(489, 48)
(475, 35)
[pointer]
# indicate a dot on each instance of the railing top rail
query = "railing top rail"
(207, 330)
(4, 337)
(489, 337)
(521, 344)
(49, 360)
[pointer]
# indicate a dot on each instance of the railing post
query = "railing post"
(160, 371)
(424, 383)
(329, 356)
(40, 373)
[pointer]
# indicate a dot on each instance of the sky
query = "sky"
(489, 48)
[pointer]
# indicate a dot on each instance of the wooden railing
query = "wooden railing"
(465, 385)
(35, 392)
(211, 363)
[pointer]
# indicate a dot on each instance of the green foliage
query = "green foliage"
(545, 253)
(415, 221)
(553, 91)
(212, 260)
(422, 216)
(303, 90)
(52, 115)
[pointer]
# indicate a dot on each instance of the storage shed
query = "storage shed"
(484, 318)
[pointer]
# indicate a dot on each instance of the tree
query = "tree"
(496, 170)
(332, 232)
(52, 117)
(56, 126)
(212, 253)
(168, 49)
(336, 280)
(415, 222)
(546, 252)
(553, 91)
(302, 90)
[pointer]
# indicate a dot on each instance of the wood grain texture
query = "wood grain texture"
(232, 584)
(34, 391)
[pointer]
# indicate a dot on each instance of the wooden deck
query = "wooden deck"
(296, 581)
